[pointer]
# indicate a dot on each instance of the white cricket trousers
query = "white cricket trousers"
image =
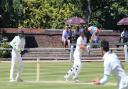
(16, 56)
(76, 67)
(123, 83)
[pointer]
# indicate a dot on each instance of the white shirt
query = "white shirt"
(112, 65)
(18, 42)
(122, 34)
(80, 41)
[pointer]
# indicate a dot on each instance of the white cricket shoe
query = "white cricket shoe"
(19, 80)
(12, 80)
(65, 77)
(75, 79)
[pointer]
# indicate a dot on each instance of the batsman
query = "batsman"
(80, 48)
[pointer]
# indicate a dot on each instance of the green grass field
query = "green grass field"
(51, 76)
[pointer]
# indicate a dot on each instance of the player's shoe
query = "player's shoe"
(65, 77)
(12, 80)
(76, 79)
(19, 80)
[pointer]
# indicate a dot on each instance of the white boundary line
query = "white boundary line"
(62, 82)
(67, 82)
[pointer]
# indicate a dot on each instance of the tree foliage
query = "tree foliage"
(109, 12)
(48, 13)
(54, 13)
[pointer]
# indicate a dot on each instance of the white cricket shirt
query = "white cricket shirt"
(80, 41)
(18, 42)
(112, 64)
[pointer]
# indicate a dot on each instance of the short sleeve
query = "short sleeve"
(122, 34)
(13, 41)
(63, 33)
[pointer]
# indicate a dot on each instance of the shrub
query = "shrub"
(3, 52)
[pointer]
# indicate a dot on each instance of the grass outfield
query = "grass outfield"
(51, 76)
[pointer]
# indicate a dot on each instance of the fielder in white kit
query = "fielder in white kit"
(80, 48)
(17, 44)
(112, 64)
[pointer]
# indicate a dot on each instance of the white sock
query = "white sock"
(75, 72)
(69, 73)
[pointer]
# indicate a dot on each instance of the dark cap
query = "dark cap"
(21, 32)
(105, 45)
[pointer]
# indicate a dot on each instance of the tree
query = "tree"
(54, 13)
(5, 12)
(108, 12)
(48, 13)
(18, 11)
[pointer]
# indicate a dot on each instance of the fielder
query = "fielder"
(80, 48)
(17, 44)
(112, 65)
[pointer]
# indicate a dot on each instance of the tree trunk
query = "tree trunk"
(89, 10)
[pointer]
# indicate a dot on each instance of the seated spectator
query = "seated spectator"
(65, 37)
(70, 34)
(95, 38)
(76, 33)
(124, 36)
(93, 29)
(87, 34)
(94, 34)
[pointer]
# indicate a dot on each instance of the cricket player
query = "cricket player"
(17, 44)
(80, 48)
(112, 65)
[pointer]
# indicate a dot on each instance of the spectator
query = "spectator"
(70, 34)
(94, 34)
(65, 37)
(95, 38)
(124, 36)
(87, 34)
(76, 33)
(93, 29)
